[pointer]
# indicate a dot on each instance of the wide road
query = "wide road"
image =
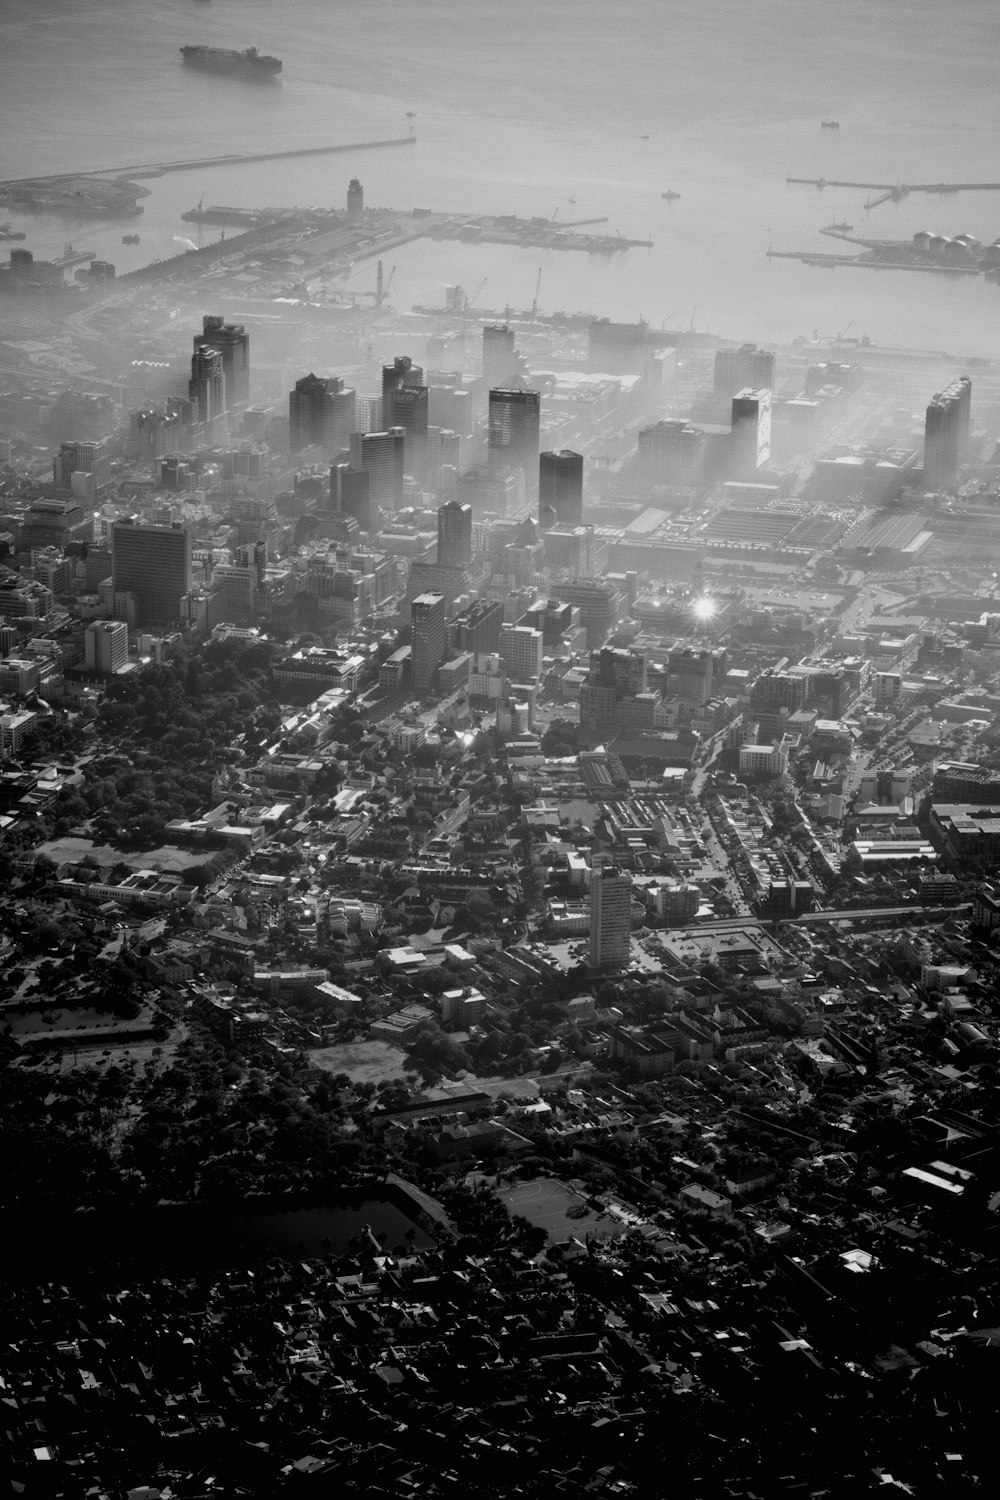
(874, 913)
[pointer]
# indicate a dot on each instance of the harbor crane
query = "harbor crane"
(470, 302)
(382, 287)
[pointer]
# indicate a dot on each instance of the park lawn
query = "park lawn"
(363, 1062)
(167, 859)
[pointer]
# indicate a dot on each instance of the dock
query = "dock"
(872, 263)
(536, 234)
(71, 257)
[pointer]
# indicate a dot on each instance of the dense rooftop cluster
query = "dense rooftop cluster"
(499, 997)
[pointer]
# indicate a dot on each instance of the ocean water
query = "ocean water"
(524, 107)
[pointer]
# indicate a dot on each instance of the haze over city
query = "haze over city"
(499, 747)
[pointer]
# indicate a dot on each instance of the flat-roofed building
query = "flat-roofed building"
(154, 564)
(610, 918)
(427, 617)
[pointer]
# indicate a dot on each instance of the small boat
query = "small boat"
(670, 196)
(130, 239)
(8, 233)
(842, 228)
(829, 124)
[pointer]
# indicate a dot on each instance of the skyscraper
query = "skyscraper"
(477, 629)
(350, 494)
(735, 369)
(521, 651)
(207, 388)
(402, 371)
(560, 485)
(671, 453)
(233, 343)
(946, 433)
(320, 412)
(750, 440)
(618, 348)
(154, 563)
(499, 355)
(406, 406)
(382, 455)
(355, 200)
(454, 535)
(83, 458)
(610, 917)
(427, 613)
(514, 420)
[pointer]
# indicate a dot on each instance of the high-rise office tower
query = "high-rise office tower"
(477, 629)
(444, 460)
(105, 646)
(750, 440)
(454, 535)
(521, 651)
(427, 614)
(320, 412)
(560, 486)
(154, 563)
(381, 454)
(233, 343)
(618, 348)
(671, 453)
(355, 200)
(692, 671)
(514, 420)
(207, 388)
(350, 494)
(83, 458)
(252, 555)
(946, 433)
(402, 371)
(499, 356)
(735, 369)
(237, 587)
(406, 406)
(610, 917)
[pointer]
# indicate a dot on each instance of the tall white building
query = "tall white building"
(105, 646)
(521, 649)
(763, 760)
(610, 917)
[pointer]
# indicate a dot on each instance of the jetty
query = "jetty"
(872, 262)
(891, 188)
(190, 164)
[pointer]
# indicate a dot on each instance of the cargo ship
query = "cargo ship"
(247, 64)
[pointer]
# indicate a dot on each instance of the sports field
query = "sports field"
(546, 1203)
